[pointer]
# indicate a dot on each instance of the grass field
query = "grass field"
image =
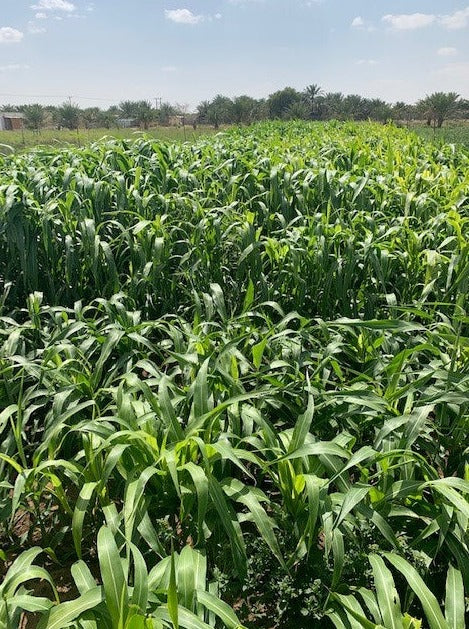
(449, 133)
(234, 379)
(21, 140)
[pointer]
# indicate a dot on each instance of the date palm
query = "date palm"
(312, 95)
(34, 116)
(144, 113)
(68, 115)
(439, 106)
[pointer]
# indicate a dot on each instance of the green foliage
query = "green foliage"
(234, 375)
(68, 115)
(33, 116)
(438, 106)
(385, 606)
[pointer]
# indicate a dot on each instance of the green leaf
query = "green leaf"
(315, 449)
(112, 574)
(230, 524)
(186, 577)
(201, 392)
(454, 602)
(354, 611)
(64, 614)
(187, 619)
(243, 494)
(338, 553)
(79, 512)
(173, 604)
(31, 603)
(258, 352)
(302, 426)
(140, 592)
(167, 411)
(221, 609)
(388, 598)
(429, 603)
(352, 497)
(249, 296)
(201, 486)
(82, 576)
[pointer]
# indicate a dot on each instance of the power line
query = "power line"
(65, 96)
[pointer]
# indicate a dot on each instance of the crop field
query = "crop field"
(234, 382)
(11, 141)
(450, 133)
(19, 141)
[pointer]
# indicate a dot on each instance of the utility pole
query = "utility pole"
(156, 99)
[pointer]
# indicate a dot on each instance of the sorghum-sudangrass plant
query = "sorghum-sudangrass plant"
(257, 343)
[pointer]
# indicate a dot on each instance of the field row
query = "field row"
(234, 382)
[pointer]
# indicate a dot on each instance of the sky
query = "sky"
(185, 51)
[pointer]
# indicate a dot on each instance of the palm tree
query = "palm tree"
(355, 107)
(438, 106)
(279, 102)
(33, 116)
(68, 115)
(203, 112)
(165, 112)
(128, 109)
(144, 113)
(298, 111)
(220, 111)
(380, 110)
(90, 117)
(311, 95)
(243, 108)
(332, 104)
(108, 118)
(8, 107)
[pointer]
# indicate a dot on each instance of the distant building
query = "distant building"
(11, 120)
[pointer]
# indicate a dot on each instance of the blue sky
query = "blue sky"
(185, 51)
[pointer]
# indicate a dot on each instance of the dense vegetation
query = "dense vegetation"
(312, 103)
(234, 376)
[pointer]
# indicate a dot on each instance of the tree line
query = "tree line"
(314, 104)
(310, 104)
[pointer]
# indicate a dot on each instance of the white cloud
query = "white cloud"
(409, 21)
(41, 16)
(54, 5)
(217, 16)
(447, 51)
(183, 16)
(456, 20)
(360, 24)
(412, 21)
(34, 29)
(10, 35)
(14, 67)
(367, 62)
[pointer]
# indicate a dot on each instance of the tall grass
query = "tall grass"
(257, 343)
